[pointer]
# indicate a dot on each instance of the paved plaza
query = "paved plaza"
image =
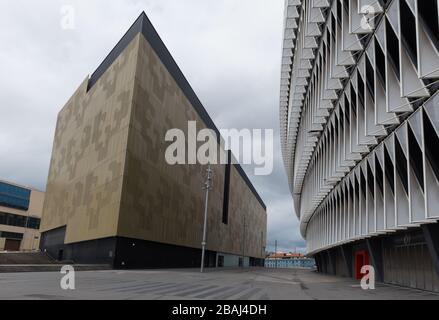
(236, 284)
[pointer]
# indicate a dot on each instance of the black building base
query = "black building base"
(126, 253)
(139, 254)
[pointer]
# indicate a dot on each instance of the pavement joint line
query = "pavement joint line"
(192, 291)
(129, 288)
(142, 288)
(249, 294)
(177, 292)
(239, 294)
(204, 288)
(229, 294)
(152, 289)
(212, 292)
(164, 291)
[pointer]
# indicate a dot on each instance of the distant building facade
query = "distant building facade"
(20, 217)
(111, 196)
(289, 260)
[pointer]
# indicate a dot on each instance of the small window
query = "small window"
(227, 189)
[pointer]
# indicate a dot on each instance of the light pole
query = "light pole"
(275, 252)
(207, 187)
(243, 243)
(24, 234)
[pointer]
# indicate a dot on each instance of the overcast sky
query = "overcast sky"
(229, 50)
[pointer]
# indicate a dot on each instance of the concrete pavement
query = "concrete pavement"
(236, 284)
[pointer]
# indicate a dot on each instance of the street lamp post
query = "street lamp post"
(207, 187)
(243, 243)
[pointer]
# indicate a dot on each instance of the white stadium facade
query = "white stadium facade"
(359, 117)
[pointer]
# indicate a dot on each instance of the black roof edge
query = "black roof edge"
(132, 32)
(143, 25)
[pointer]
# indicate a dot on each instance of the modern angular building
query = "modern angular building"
(20, 217)
(359, 118)
(112, 198)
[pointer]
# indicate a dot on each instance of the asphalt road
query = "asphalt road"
(237, 284)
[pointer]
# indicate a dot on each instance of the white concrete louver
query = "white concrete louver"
(352, 107)
(394, 187)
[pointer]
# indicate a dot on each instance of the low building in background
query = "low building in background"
(113, 199)
(20, 216)
(288, 260)
(282, 255)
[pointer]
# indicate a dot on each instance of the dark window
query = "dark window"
(3, 218)
(11, 235)
(33, 223)
(15, 220)
(60, 255)
(227, 189)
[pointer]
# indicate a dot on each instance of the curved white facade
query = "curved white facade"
(360, 117)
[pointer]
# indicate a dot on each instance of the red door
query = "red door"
(361, 259)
